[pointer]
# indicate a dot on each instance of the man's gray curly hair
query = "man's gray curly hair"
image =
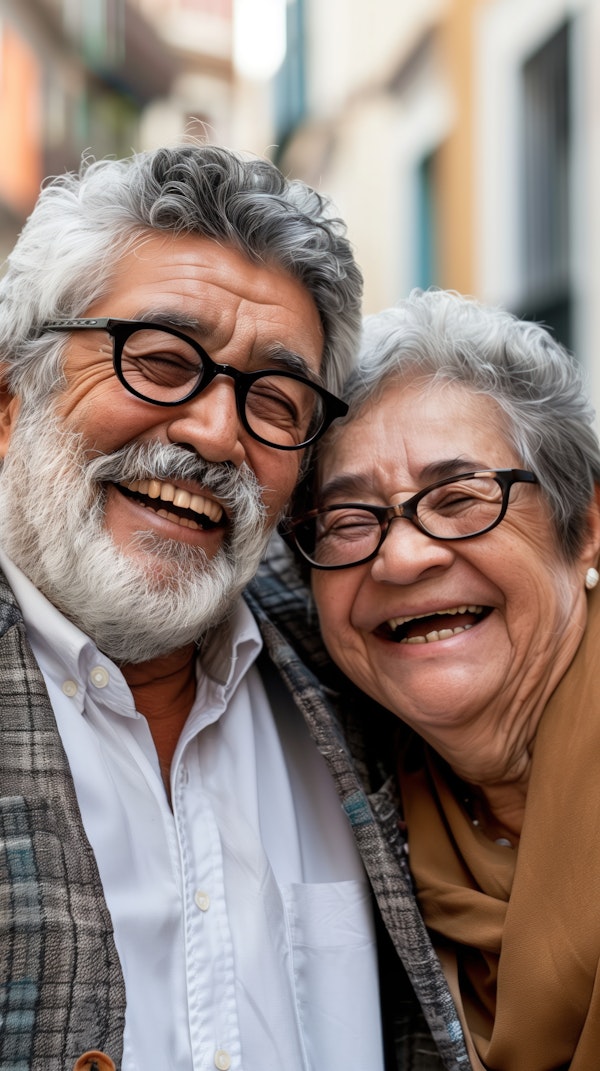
(83, 223)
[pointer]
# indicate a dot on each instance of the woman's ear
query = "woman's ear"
(9, 410)
(590, 552)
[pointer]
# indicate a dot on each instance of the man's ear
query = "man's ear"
(9, 410)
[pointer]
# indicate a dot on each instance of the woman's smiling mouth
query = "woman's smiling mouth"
(432, 627)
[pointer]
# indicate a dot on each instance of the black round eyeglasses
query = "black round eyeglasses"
(351, 533)
(164, 366)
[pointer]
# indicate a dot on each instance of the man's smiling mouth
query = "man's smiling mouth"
(181, 507)
(432, 627)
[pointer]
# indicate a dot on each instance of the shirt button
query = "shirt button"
(202, 900)
(69, 688)
(222, 1060)
(94, 1061)
(99, 676)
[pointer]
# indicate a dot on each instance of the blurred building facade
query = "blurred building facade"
(460, 139)
(73, 77)
(108, 77)
(211, 97)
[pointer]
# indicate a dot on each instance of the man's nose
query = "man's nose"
(210, 423)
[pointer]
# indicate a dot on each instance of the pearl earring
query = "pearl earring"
(591, 578)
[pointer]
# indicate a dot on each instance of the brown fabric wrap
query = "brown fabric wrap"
(523, 925)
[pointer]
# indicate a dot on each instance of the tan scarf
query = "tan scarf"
(534, 1005)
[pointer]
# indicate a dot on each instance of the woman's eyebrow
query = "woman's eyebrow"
(446, 467)
(346, 485)
(354, 485)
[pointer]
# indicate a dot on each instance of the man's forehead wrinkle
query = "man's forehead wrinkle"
(180, 257)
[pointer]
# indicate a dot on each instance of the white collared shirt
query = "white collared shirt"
(242, 916)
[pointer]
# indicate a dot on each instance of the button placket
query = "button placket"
(203, 878)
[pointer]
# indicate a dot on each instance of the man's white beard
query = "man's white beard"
(133, 608)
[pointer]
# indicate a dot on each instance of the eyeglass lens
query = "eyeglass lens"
(348, 535)
(163, 368)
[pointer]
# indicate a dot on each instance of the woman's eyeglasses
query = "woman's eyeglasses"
(164, 366)
(351, 533)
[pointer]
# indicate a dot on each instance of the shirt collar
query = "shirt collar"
(64, 652)
(229, 650)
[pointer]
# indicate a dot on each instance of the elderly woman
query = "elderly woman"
(454, 537)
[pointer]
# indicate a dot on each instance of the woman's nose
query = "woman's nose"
(407, 552)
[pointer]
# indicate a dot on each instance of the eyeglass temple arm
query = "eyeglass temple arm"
(81, 323)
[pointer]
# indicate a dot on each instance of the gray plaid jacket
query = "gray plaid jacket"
(61, 987)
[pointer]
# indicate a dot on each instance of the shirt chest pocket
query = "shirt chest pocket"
(334, 966)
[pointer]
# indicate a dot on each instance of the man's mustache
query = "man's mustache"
(169, 462)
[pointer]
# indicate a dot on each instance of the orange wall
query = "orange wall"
(455, 162)
(20, 122)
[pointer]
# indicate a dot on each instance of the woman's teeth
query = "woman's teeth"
(434, 635)
(395, 623)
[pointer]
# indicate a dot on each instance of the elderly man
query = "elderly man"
(180, 889)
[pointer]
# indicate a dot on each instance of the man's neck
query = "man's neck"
(164, 691)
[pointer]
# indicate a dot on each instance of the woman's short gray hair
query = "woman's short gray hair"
(537, 384)
(83, 223)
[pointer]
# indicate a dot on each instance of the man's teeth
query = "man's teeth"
(167, 493)
(435, 634)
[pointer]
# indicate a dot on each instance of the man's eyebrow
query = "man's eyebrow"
(170, 318)
(289, 361)
(273, 353)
